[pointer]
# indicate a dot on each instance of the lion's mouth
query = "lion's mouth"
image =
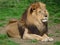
(44, 20)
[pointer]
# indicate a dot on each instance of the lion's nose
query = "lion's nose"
(45, 15)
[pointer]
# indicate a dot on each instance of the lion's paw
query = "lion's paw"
(50, 39)
(45, 39)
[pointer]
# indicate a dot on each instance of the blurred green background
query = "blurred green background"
(15, 8)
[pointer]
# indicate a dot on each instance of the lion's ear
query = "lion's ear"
(33, 7)
(31, 10)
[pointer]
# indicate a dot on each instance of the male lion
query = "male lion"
(32, 25)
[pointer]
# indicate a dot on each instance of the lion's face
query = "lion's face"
(38, 12)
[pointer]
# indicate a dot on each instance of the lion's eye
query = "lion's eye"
(44, 11)
(39, 11)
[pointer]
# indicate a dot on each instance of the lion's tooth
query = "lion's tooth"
(44, 20)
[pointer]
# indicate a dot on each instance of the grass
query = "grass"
(15, 9)
(57, 31)
(57, 35)
(4, 40)
(57, 43)
(50, 35)
(3, 36)
(7, 42)
(34, 41)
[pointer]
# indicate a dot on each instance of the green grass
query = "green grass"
(7, 42)
(14, 9)
(57, 43)
(3, 36)
(4, 40)
(34, 41)
(2, 24)
(57, 31)
(50, 35)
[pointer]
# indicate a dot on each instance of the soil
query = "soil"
(54, 32)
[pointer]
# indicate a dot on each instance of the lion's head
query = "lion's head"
(37, 13)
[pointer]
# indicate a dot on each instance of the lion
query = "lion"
(32, 25)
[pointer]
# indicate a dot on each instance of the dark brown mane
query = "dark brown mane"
(32, 28)
(24, 15)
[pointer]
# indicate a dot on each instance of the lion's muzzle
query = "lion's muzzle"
(45, 19)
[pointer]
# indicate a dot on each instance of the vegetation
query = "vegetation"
(57, 43)
(34, 41)
(15, 8)
(4, 40)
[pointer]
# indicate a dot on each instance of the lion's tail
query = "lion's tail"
(12, 21)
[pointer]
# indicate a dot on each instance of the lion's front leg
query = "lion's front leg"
(37, 37)
(46, 38)
(31, 36)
